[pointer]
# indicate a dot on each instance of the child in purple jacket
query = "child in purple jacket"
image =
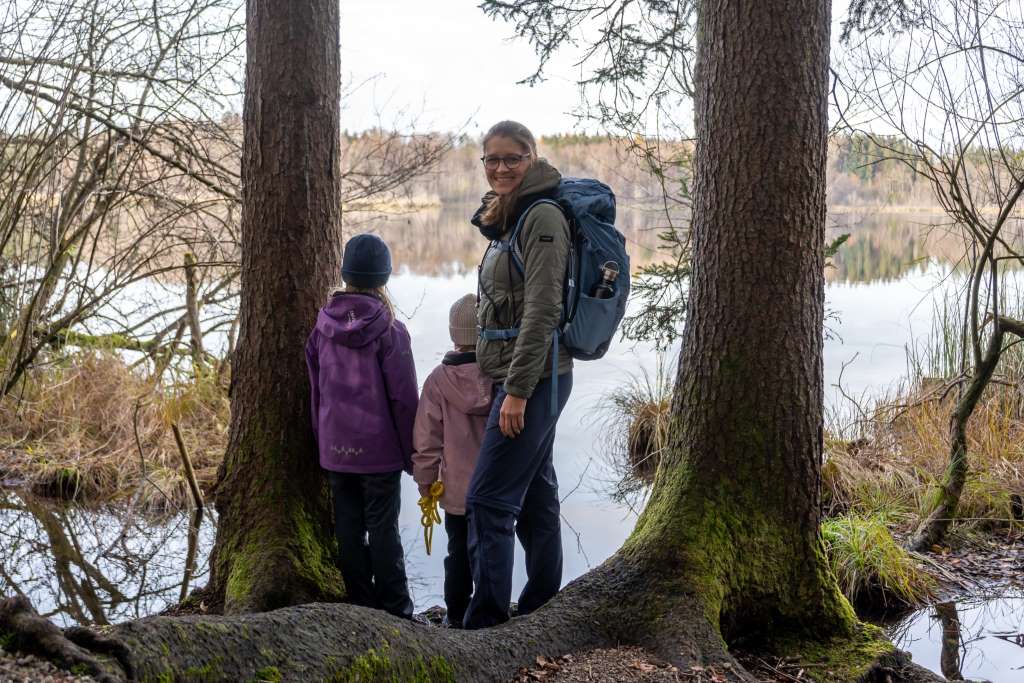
(364, 402)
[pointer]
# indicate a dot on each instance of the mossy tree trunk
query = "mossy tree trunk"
(273, 545)
(736, 504)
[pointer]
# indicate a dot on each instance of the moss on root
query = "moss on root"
(841, 659)
(268, 674)
(379, 665)
(200, 674)
(735, 559)
(281, 559)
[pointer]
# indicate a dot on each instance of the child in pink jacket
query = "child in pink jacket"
(449, 427)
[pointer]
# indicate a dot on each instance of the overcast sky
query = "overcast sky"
(447, 62)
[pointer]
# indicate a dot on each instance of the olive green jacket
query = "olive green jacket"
(532, 301)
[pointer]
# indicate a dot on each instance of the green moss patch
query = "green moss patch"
(378, 665)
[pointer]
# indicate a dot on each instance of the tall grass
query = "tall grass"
(872, 569)
(636, 421)
(943, 353)
(890, 459)
(90, 428)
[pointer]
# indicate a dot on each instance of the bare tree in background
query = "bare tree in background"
(951, 86)
(111, 166)
(119, 156)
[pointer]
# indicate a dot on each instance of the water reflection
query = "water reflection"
(441, 241)
(881, 248)
(888, 247)
(971, 639)
(81, 566)
(949, 659)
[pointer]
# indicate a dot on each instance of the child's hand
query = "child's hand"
(512, 418)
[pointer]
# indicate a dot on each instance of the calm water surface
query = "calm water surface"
(973, 639)
(92, 567)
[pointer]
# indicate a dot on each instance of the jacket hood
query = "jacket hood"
(352, 319)
(541, 180)
(465, 387)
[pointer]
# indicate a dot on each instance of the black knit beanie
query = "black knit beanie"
(367, 262)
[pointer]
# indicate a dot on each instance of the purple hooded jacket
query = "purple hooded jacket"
(363, 381)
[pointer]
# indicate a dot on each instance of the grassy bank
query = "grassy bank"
(901, 451)
(91, 429)
(876, 481)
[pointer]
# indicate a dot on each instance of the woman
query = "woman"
(514, 484)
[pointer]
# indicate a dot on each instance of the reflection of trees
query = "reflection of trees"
(887, 247)
(949, 660)
(441, 242)
(91, 567)
(879, 252)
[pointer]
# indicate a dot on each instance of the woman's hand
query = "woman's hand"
(512, 416)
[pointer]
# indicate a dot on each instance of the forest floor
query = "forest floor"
(972, 567)
(18, 668)
(981, 565)
(607, 666)
(634, 664)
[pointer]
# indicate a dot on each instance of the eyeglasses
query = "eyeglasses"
(511, 161)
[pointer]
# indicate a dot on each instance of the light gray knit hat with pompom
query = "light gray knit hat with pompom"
(462, 321)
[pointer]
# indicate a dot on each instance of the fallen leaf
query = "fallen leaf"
(643, 666)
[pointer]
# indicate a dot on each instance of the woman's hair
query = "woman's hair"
(500, 206)
(379, 292)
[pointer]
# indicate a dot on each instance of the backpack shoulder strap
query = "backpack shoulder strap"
(513, 239)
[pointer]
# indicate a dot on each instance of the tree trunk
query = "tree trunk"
(736, 504)
(195, 330)
(274, 545)
(945, 498)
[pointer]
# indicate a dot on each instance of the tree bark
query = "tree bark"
(736, 504)
(195, 331)
(274, 545)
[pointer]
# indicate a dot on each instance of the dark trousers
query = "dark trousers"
(366, 510)
(514, 492)
(458, 578)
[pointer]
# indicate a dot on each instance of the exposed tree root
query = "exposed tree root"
(612, 605)
(75, 649)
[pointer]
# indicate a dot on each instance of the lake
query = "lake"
(883, 286)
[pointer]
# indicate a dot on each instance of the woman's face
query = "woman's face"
(504, 179)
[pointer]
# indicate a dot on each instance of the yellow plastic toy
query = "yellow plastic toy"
(431, 514)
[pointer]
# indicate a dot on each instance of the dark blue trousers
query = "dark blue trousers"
(514, 492)
(458, 577)
(366, 508)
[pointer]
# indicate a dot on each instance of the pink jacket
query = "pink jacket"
(449, 427)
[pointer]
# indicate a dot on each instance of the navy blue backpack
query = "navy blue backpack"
(588, 325)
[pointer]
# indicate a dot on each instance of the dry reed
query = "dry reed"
(92, 429)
